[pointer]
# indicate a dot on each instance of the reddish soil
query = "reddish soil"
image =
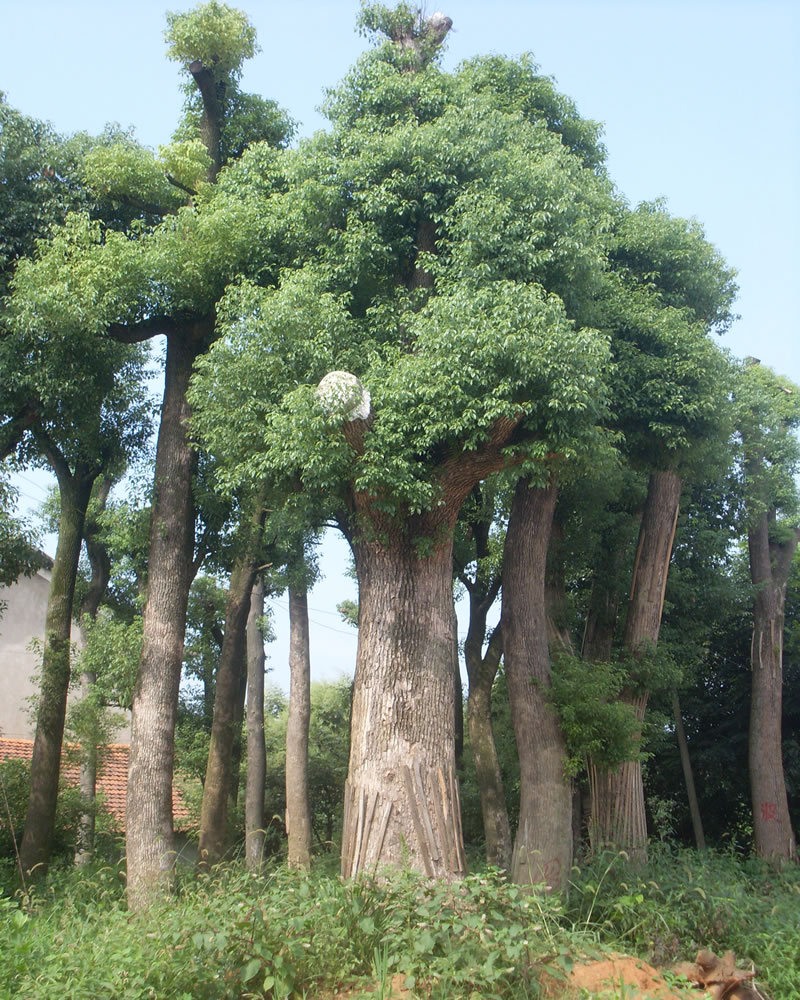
(620, 975)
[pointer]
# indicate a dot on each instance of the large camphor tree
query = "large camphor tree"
(422, 347)
(669, 288)
(767, 417)
(165, 278)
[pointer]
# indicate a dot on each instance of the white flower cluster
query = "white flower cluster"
(342, 394)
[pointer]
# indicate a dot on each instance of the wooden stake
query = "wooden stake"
(362, 808)
(426, 818)
(412, 805)
(382, 832)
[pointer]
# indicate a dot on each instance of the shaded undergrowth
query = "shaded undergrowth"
(280, 933)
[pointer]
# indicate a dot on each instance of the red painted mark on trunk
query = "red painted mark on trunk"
(769, 810)
(552, 871)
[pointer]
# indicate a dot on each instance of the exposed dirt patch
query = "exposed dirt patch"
(615, 976)
(618, 973)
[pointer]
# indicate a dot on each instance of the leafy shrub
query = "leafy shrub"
(15, 787)
(233, 934)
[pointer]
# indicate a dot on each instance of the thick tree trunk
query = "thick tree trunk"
(256, 748)
(217, 784)
(46, 762)
(298, 806)
(543, 845)
(618, 810)
(770, 562)
(401, 797)
(688, 776)
(149, 834)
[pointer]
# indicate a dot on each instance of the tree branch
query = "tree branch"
(494, 650)
(145, 329)
(181, 187)
(53, 454)
(13, 430)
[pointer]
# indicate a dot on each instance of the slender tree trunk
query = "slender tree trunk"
(401, 797)
(482, 670)
(84, 848)
(459, 695)
(555, 595)
(618, 810)
(298, 805)
(543, 845)
(256, 747)
(149, 833)
(601, 620)
(217, 784)
(770, 562)
(688, 776)
(101, 572)
(238, 720)
(46, 762)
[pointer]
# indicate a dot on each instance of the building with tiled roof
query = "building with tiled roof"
(112, 777)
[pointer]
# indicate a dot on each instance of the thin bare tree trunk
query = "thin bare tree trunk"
(46, 762)
(101, 573)
(482, 670)
(459, 695)
(770, 563)
(559, 638)
(256, 748)
(238, 720)
(618, 816)
(688, 776)
(298, 806)
(216, 787)
(543, 845)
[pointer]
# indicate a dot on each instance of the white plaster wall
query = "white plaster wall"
(22, 620)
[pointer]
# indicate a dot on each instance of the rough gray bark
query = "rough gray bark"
(149, 833)
(401, 797)
(298, 806)
(770, 563)
(618, 811)
(543, 845)
(74, 491)
(256, 748)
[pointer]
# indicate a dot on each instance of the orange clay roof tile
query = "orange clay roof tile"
(112, 776)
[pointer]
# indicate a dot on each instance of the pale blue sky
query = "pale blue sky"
(700, 100)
